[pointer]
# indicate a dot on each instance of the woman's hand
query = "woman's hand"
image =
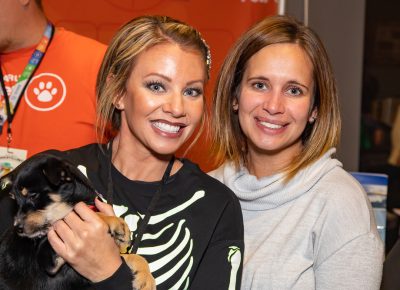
(82, 239)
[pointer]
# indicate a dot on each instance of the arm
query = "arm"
(221, 265)
(348, 251)
(356, 265)
(118, 280)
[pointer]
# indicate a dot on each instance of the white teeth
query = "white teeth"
(166, 127)
(270, 125)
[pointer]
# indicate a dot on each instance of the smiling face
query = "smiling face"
(275, 101)
(164, 99)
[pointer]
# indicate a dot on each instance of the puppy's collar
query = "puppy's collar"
(93, 207)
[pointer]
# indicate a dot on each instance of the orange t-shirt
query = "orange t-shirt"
(57, 109)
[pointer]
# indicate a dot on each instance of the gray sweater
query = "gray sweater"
(315, 232)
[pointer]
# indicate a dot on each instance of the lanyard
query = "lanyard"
(12, 101)
(145, 221)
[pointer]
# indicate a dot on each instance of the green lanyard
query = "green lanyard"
(12, 100)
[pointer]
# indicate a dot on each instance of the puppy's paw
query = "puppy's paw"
(119, 230)
(142, 278)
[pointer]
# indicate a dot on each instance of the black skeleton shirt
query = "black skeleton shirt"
(194, 238)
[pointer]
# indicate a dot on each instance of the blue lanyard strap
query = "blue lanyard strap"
(12, 101)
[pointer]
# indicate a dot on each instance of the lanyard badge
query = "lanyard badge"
(11, 101)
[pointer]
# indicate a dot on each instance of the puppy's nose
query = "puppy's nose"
(19, 228)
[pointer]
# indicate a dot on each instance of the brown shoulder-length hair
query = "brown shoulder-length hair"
(228, 140)
(134, 37)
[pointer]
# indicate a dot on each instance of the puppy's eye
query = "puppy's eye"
(33, 195)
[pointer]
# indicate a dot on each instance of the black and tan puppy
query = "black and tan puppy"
(45, 189)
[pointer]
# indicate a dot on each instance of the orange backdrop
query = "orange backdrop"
(219, 21)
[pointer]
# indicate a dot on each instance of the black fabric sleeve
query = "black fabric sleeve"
(121, 280)
(221, 265)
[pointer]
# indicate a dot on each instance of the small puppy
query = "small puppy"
(46, 188)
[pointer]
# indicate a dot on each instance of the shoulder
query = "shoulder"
(346, 209)
(220, 203)
(216, 190)
(343, 214)
(91, 160)
(340, 187)
(218, 173)
(85, 155)
(65, 34)
(65, 39)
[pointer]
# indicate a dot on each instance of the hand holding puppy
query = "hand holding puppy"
(83, 240)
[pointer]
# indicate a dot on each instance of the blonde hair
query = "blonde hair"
(131, 39)
(228, 140)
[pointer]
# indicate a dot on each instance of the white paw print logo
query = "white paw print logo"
(45, 91)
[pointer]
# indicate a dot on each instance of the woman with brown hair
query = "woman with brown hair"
(276, 121)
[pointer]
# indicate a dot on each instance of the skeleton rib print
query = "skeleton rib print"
(195, 234)
(168, 249)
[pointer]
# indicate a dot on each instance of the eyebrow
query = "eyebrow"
(170, 80)
(292, 82)
(196, 81)
(158, 75)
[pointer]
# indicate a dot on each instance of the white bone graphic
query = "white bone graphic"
(234, 257)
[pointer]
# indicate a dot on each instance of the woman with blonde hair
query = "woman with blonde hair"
(308, 224)
(187, 225)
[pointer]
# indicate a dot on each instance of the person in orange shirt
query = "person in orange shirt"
(48, 75)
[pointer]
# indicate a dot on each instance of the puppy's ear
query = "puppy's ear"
(56, 171)
(6, 183)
